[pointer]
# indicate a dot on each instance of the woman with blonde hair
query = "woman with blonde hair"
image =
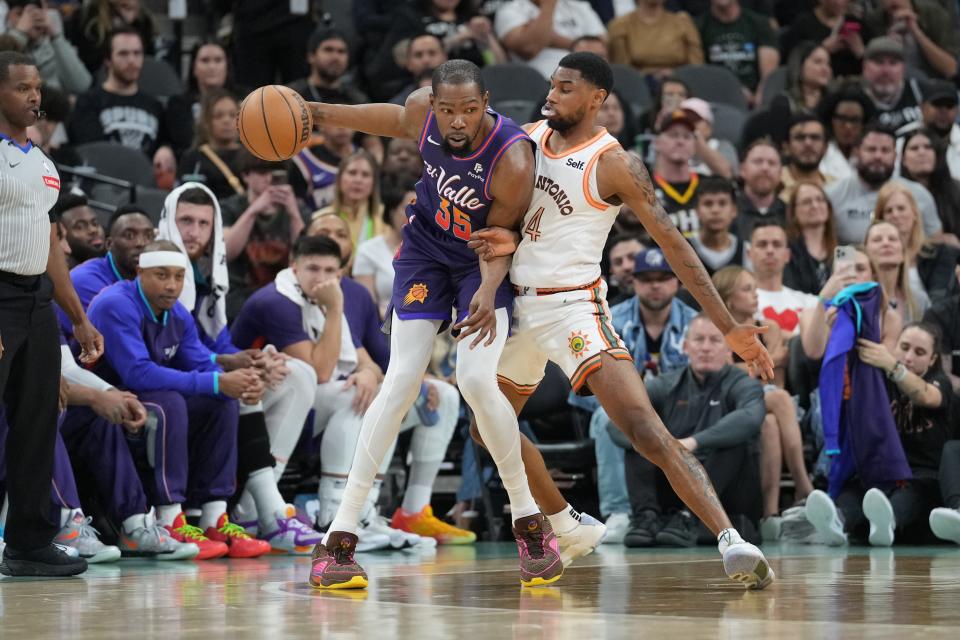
(890, 261)
(216, 146)
(812, 236)
(931, 264)
(357, 197)
(780, 439)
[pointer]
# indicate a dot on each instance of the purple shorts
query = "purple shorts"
(433, 274)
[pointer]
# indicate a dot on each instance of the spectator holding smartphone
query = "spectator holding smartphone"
(831, 24)
(39, 31)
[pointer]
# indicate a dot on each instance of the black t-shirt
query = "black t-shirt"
(804, 272)
(196, 166)
(132, 121)
(748, 215)
(807, 27)
(923, 431)
(905, 111)
(945, 314)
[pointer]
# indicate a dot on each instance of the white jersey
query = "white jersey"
(566, 228)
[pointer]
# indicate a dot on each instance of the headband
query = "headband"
(152, 259)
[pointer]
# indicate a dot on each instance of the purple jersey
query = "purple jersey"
(434, 269)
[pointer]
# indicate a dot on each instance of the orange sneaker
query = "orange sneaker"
(241, 544)
(187, 533)
(424, 523)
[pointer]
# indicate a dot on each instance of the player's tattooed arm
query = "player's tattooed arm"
(622, 175)
(377, 119)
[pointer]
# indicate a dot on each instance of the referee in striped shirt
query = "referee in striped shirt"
(29, 341)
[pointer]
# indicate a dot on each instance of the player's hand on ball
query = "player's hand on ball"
(481, 320)
(744, 339)
(494, 242)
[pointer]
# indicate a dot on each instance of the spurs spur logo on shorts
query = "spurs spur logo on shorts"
(418, 293)
(578, 343)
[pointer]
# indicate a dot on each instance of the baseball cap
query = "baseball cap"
(700, 107)
(884, 46)
(651, 261)
(685, 117)
(939, 92)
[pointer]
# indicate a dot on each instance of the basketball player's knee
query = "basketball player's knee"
(302, 378)
(648, 436)
(476, 386)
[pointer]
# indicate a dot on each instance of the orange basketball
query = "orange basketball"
(274, 122)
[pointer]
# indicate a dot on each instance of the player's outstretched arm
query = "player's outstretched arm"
(623, 175)
(377, 119)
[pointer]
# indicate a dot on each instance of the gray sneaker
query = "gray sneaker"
(79, 535)
(150, 540)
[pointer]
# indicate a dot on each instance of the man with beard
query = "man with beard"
(757, 201)
(84, 233)
(804, 149)
(328, 55)
(884, 81)
(622, 253)
(939, 113)
(853, 199)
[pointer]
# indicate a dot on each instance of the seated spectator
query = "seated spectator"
(669, 95)
(924, 160)
(89, 28)
(945, 315)
(616, 117)
(925, 29)
(712, 156)
(812, 239)
(670, 39)
(259, 228)
(590, 44)
(717, 209)
(424, 53)
(808, 76)
(213, 158)
(154, 352)
(652, 325)
(780, 438)
(674, 183)
(621, 257)
(328, 54)
(742, 41)
(890, 264)
(209, 69)
(831, 24)
(83, 231)
(895, 98)
(118, 111)
(804, 150)
(433, 417)
(921, 401)
(931, 264)
(939, 114)
(373, 267)
(854, 199)
(769, 255)
(758, 202)
(540, 32)
(844, 112)
(716, 411)
(317, 165)
(356, 197)
(41, 37)
(402, 162)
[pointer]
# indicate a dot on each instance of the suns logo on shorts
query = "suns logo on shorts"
(417, 293)
(578, 343)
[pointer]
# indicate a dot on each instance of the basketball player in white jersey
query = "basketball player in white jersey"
(583, 178)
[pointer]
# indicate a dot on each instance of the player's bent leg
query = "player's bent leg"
(622, 394)
(540, 562)
(411, 344)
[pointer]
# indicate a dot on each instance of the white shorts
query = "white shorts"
(570, 327)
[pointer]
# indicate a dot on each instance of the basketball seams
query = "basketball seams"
(268, 128)
(296, 123)
(266, 125)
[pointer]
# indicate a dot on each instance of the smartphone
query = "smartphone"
(849, 27)
(279, 177)
(844, 255)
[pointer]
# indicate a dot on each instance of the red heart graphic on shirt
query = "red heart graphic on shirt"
(788, 320)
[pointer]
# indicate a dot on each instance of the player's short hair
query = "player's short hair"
(458, 72)
(125, 210)
(316, 246)
(592, 67)
(12, 58)
(323, 34)
(68, 200)
(161, 245)
(716, 184)
(763, 224)
(196, 195)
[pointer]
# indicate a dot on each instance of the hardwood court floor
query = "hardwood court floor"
(473, 593)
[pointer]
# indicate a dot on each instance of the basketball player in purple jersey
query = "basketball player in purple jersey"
(478, 171)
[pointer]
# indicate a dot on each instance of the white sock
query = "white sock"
(726, 538)
(565, 521)
(246, 509)
(66, 515)
(210, 513)
(266, 496)
(416, 497)
(167, 513)
(134, 522)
